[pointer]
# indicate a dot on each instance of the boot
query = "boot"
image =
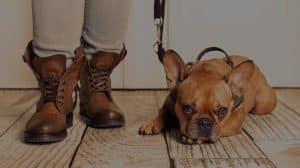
(57, 84)
(96, 103)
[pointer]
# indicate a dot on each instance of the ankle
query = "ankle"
(52, 64)
(106, 59)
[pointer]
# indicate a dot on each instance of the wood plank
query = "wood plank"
(278, 134)
(15, 153)
(290, 97)
(161, 97)
(281, 124)
(223, 163)
(123, 147)
(13, 104)
(283, 153)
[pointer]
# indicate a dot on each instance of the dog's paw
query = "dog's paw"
(186, 140)
(150, 128)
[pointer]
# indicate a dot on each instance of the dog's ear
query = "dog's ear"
(174, 68)
(237, 79)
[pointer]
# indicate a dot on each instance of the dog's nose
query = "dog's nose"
(205, 123)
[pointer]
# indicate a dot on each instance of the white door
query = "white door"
(267, 31)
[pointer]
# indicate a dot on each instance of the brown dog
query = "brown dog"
(210, 99)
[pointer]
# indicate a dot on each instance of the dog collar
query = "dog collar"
(173, 95)
(237, 102)
(211, 49)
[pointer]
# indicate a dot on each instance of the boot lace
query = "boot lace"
(99, 80)
(49, 87)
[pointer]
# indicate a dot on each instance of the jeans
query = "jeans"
(58, 26)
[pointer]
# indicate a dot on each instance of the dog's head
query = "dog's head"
(205, 100)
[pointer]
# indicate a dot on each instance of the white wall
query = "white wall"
(15, 31)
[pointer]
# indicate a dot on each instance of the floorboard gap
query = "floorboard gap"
(288, 107)
(78, 146)
(252, 139)
(20, 116)
(172, 162)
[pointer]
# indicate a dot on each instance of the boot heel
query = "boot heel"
(69, 120)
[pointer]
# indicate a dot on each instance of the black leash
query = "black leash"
(159, 21)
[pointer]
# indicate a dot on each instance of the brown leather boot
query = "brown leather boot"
(57, 84)
(96, 102)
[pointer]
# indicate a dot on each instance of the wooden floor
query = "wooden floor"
(267, 141)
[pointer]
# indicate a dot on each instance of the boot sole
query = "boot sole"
(49, 138)
(44, 138)
(101, 124)
(106, 124)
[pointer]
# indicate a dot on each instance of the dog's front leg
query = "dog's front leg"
(154, 126)
(234, 125)
(165, 118)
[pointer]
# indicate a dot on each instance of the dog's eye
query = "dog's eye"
(187, 109)
(222, 111)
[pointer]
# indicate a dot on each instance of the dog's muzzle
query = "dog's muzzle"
(205, 127)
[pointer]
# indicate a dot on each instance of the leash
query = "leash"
(159, 21)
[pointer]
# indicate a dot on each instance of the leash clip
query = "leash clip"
(157, 23)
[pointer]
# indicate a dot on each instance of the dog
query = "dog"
(211, 98)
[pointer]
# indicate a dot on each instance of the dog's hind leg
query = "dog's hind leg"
(265, 100)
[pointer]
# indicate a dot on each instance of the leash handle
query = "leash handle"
(158, 11)
(159, 17)
(210, 49)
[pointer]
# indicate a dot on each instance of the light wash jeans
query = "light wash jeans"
(58, 25)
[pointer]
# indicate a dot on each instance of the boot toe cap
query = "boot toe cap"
(106, 119)
(45, 124)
